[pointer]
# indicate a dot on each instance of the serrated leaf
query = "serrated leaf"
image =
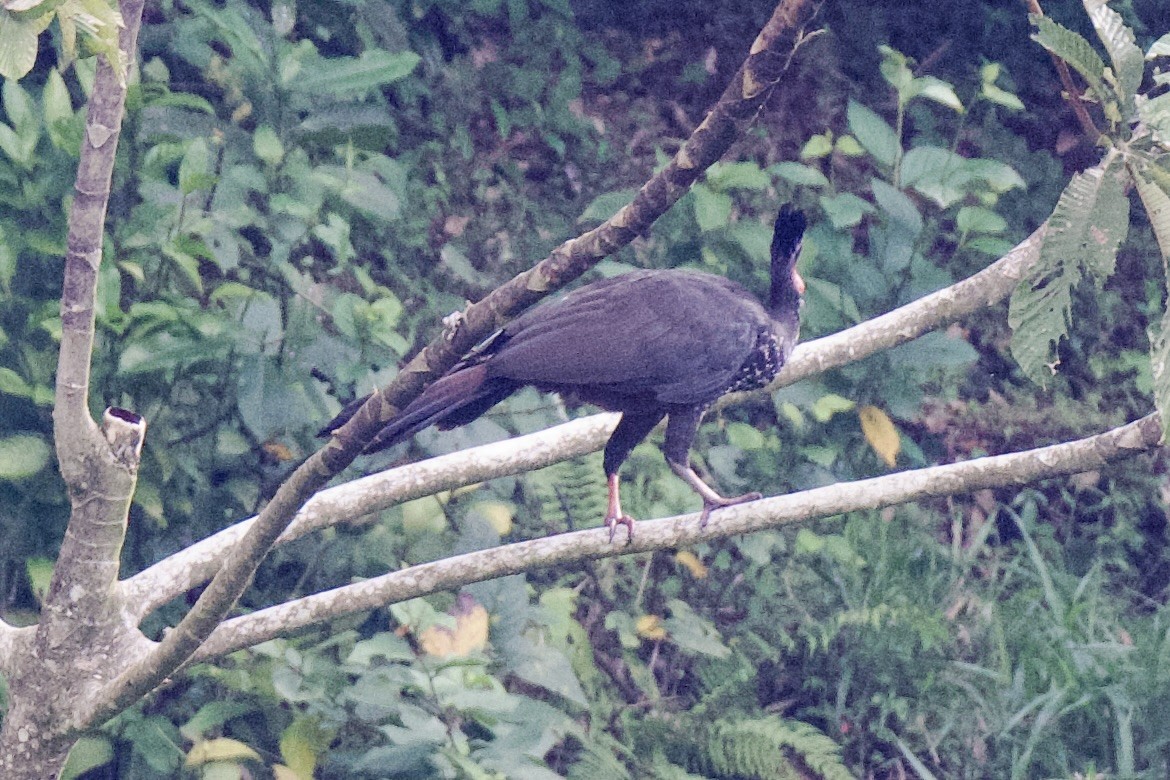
(1128, 64)
(1157, 205)
(1086, 227)
(1074, 49)
(873, 132)
(881, 433)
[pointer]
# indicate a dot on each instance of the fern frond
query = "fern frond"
(1156, 202)
(570, 494)
(1086, 227)
(1075, 49)
(597, 760)
(1128, 64)
(772, 748)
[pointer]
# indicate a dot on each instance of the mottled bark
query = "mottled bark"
(83, 634)
(1017, 468)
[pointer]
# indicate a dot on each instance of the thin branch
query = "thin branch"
(740, 102)
(1072, 92)
(186, 569)
(1017, 468)
(149, 589)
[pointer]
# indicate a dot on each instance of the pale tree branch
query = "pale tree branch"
(1018, 468)
(152, 587)
(186, 569)
(81, 629)
(750, 87)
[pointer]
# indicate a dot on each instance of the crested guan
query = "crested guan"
(648, 344)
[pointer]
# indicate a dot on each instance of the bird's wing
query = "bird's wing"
(677, 337)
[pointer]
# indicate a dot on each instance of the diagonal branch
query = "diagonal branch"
(172, 576)
(1016, 468)
(751, 86)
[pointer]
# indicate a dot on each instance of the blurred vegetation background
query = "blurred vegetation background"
(303, 191)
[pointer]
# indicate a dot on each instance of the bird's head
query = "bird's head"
(787, 284)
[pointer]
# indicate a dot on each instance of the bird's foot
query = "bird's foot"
(612, 521)
(710, 504)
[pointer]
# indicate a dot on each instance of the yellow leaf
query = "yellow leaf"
(222, 749)
(469, 635)
(282, 772)
(497, 513)
(650, 627)
(881, 434)
(692, 563)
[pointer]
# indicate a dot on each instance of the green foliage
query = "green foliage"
(771, 747)
(1086, 228)
(304, 192)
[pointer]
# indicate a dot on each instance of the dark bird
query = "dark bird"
(648, 344)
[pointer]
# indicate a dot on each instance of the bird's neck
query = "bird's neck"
(784, 298)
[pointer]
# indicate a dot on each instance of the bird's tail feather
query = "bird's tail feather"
(455, 399)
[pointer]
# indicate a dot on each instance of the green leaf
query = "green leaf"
(1128, 64)
(1086, 227)
(39, 572)
(22, 456)
(937, 90)
(712, 209)
(354, 74)
(845, 210)
(1157, 205)
(693, 632)
(1001, 96)
(818, 146)
(796, 173)
(1074, 49)
(737, 175)
(12, 383)
(937, 173)
(18, 43)
(267, 145)
(606, 205)
(873, 132)
(195, 169)
(86, 754)
(976, 219)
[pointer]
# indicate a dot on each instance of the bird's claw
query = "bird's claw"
(613, 521)
(710, 506)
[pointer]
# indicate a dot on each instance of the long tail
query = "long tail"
(455, 399)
